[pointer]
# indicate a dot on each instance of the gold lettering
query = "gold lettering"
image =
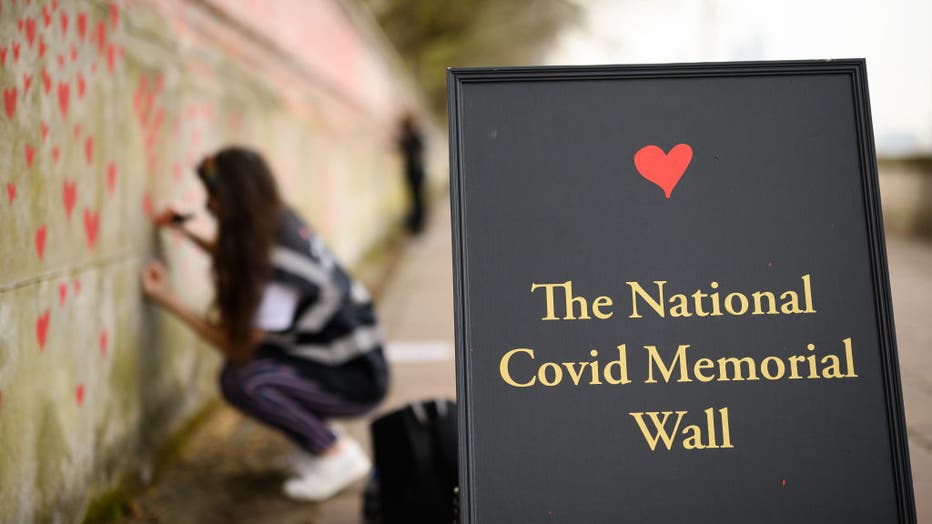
(503, 368)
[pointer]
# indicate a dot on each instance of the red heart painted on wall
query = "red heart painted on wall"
(102, 343)
(69, 195)
(81, 85)
(27, 81)
(62, 293)
(19, 25)
(79, 394)
(9, 101)
(45, 131)
(56, 154)
(30, 154)
(16, 51)
(61, 61)
(3, 56)
(46, 16)
(74, 53)
(101, 37)
(63, 96)
(42, 328)
(147, 207)
(663, 169)
(10, 192)
(111, 177)
(114, 15)
(64, 22)
(91, 221)
(40, 241)
(46, 81)
(111, 57)
(30, 31)
(89, 150)
(82, 25)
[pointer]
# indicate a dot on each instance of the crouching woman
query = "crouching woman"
(299, 336)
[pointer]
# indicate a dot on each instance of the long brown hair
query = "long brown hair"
(248, 213)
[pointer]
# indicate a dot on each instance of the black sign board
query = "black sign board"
(672, 300)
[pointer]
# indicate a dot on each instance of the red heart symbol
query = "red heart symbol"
(91, 221)
(42, 329)
(101, 37)
(16, 51)
(79, 394)
(10, 191)
(45, 131)
(46, 16)
(665, 170)
(42, 47)
(82, 25)
(103, 343)
(19, 25)
(61, 61)
(27, 81)
(114, 15)
(111, 177)
(63, 95)
(9, 101)
(46, 81)
(111, 57)
(30, 154)
(74, 53)
(62, 293)
(69, 195)
(54, 5)
(64, 22)
(3, 55)
(81, 85)
(56, 154)
(30, 31)
(89, 150)
(147, 207)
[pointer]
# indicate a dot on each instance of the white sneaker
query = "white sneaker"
(330, 474)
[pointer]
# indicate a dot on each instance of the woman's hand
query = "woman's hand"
(155, 281)
(171, 218)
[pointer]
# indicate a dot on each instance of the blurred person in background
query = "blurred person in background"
(299, 336)
(411, 144)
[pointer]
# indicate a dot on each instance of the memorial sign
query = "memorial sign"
(672, 300)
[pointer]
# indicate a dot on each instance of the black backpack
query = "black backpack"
(415, 465)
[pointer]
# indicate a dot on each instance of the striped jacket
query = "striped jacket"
(334, 327)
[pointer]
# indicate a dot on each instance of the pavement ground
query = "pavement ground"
(228, 473)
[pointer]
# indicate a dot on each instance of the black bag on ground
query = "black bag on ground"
(415, 464)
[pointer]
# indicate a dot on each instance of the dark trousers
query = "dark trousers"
(275, 393)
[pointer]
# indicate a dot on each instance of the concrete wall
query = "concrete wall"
(107, 106)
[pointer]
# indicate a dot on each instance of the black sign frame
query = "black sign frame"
(854, 68)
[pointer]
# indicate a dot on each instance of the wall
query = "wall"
(107, 107)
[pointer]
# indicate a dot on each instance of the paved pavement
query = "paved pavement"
(227, 472)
